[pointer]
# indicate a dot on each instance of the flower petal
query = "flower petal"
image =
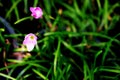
(30, 41)
(36, 12)
(30, 47)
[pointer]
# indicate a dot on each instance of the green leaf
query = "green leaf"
(7, 76)
(12, 8)
(40, 74)
(23, 19)
(73, 50)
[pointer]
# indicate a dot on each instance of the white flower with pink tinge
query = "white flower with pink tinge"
(30, 41)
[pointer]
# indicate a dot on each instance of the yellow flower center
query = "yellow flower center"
(32, 37)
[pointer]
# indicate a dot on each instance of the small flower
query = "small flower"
(36, 12)
(30, 41)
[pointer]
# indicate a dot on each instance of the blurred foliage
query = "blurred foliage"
(76, 40)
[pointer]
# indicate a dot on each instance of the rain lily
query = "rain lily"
(36, 12)
(30, 41)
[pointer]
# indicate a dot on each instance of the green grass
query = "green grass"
(77, 43)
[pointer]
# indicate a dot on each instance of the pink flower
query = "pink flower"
(30, 41)
(36, 12)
